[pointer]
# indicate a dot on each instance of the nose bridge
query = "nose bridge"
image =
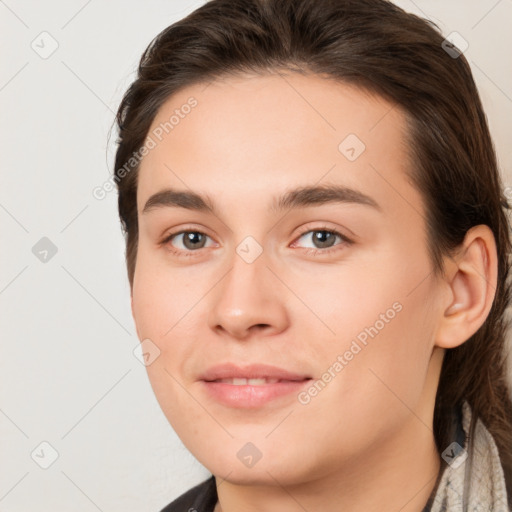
(249, 294)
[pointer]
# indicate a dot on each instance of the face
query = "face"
(334, 283)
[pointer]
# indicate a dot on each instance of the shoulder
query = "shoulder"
(200, 498)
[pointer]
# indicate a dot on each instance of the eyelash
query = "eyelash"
(309, 251)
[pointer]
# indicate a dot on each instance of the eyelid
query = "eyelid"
(184, 229)
(324, 227)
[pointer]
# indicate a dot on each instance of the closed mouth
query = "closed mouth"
(254, 381)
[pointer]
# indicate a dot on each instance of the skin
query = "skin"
(365, 442)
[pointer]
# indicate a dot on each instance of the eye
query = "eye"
(323, 239)
(190, 242)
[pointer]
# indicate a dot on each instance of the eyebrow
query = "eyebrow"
(292, 199)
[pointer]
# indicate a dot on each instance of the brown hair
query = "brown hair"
(384, 50)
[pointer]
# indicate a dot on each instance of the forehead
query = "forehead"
(265, 132)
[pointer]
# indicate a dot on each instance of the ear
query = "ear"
(471, 279)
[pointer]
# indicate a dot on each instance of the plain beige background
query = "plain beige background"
(73, 395)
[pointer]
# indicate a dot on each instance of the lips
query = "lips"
(252, 387)
(232, 372)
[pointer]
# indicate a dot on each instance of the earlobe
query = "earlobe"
(472, 287)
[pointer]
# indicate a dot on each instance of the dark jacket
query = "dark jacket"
(201, 498)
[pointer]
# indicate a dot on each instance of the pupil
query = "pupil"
(192, 238)
(321, 235)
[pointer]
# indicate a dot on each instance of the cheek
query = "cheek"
(377, 328)
(168, 305)
(162, 296)
(163, 305)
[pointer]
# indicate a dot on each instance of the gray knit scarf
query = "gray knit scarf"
(471, 486)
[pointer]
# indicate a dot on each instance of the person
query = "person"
(317, 246)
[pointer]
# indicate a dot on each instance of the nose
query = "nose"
(248, 300)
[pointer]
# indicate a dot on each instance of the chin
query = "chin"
(268, 470)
